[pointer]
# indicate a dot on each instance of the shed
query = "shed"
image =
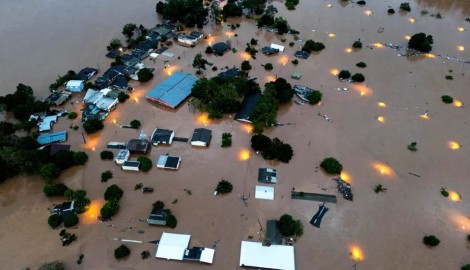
(248, 105)
(254, 254)
(157, 217)
(273, 233)
(230, 73)
(264, 193)
(172, 91)
(278, 47)
(138, 146)
(74, 85)
(162, 136)
(122, 156)
(168, 162)
(201, 137)
(59, 136)
(267, 175)
(130, 165)
(116, 145)
(172, 246)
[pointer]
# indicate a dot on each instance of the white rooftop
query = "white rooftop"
(172, 246)
(276, 46)
(207, 255)
(254, 254)
(264, 193)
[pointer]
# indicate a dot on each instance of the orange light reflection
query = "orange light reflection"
(457, 103)
(378, 45)
(412, 20)
(270, 78)
(348, 50)
(91, 215)
(356, 253)
(454, 196)
(247, 128)
(430, 55)
(345, 176)
(461, 48)
(382, 104)
(334, 72)
(368, 12)
(461, 221)
(407, 37)
(454, 145)
(203, 119)
(381, 119)
(362, 89)
(244, 154)
(382, 168)
(424, 116)
(461, 29)
(331, 35)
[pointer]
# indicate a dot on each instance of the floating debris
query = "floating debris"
(344, 188)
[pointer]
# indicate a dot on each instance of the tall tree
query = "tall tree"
(199, 62)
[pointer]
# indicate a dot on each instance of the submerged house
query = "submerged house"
(100, 99)
(142, 51)
(140, 146)
(230, 73)
(172, 91)
(248, 106)
(201, 137)
(273, 232)
(187, 40)
(269, 50)
(174, 246)
(267, 175)
(86, 73)
(74, 85)
(162, 136)
(58, 98)
(302, 92)
(64, 209)
(91, 111)
(168, 162)
(220, 48)
(157, 217)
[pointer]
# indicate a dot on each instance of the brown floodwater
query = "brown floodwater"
(372, 123)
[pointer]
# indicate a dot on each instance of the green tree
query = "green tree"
(63, 159)
(465, 267)
(361, 65)
(49, 171)
(54, 189)
(92, 125)
(289, 227)
(421, 42)
(231, 9)
(71, 220)
(129, 29)
(105, 176)
(113, 192)
(54, 221)
(115, 43)
(55, 265)
(331, 166)
(311, 45)
(159, 205)
(109, 209)
(160, 7)
(314, 97)
(145, 163)
(145, 255)
(281, 25)
(431, 240)
(260, 142)
(171, 221)
(144, 75)
(285, 153)
(358, 77)
(405, 6)
(135, 124)
(282, 89)
(344, 75)
(268, 66)
(199, 62)
(224, 187)
(246, 65)
(106, 155)
(79, 158)
(72, 115)
(290, 4)
(226, 139)
(447, 99)
(121, 252)
(357, 44)
(265, 20)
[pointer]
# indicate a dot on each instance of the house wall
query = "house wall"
(198, 143)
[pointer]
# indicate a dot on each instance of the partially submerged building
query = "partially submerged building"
(201, 137)
(100, 99)
(74, 85)
(139, 146)
(55, 148)
(45, 123)
(248, 106)
(254, 254)
(162, 136)
(58, 98)
(220, 48)
(64, 209)
(86, 73)
(230, 73)
(91, 111)
(301, 54)
(269, 50)
(174, 246)
(131, 165)
(168, 162)
(267, 175)
(122, 156)
(273, 233)
(173, 91)
(60, 136)
(157, 217)
(186, 40)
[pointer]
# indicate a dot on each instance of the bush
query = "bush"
(138, 186)
(447, 99)
(405, 6)
(246, 65)
(344, 74)
(291, 44)
(144, 75)
(421, 42)
(72, 115)
(290, 4)
(55, 265)
(379, 188)
(115, 43)
(109, 209)
(54, 220)
(444, 192)
(226, 139)
(449, 77)
(357, 44)
(71, 220)
(465, 267)
(54, 189)
(314, 97)
(358, 77)
(113, 192)
(145, 163)
(92, 125)
(171, 221)
(145, 254)
(412, 147)
(268, 66)
(331, 166)
(361, 65)
(295, 62)
(121, 252)
(105, 176)
(209, 50)
(391, 11)
(106, 155)
(431, 240)
(311, 45)
(224, 187)
(135, 124)
(361, 2)
(49, 171)
(79, 158)
(159, 205)
(289, 227)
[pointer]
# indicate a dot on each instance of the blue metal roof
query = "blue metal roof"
(59, 136)
(174, 90)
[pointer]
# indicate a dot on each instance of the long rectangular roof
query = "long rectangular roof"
(174, 90)
(254, 254)
(172, 246)
(58, 136)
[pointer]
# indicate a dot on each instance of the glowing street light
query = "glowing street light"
(244, 154)
(348, 50)
(331, 35)
(407, 37)
(457, 103)
(461, 48)
(356, 253)
(382, 104)
(334, 72)
(454, 145)
(461, 29)
(454, 196)
(368, 12)
(381, 119)
(412, 20)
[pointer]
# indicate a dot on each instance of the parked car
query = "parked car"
(147, 190)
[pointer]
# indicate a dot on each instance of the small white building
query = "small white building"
(122, 156)
(264, 193)
(254, 254)
(187, 40)
(174, 246)
(276, 46)
(74, 85)
(131, 166)
(168, 162)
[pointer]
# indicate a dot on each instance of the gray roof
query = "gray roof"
(138, 145)
(157, 217)
(173, 91)
(248, 105)
(202, 135)
(273, 233)
(267, 175)
(160, 135)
